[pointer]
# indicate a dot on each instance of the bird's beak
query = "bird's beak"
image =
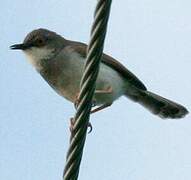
(19, 46)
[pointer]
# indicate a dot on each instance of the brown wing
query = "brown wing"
(109, 61)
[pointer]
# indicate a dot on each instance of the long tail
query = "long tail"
(158, 105)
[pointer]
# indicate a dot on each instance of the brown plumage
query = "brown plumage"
(61, 63)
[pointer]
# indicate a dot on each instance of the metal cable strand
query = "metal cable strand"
(81, 119)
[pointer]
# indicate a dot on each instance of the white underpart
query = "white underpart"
(35, 55)
(107, 77)
(72, 66)
(112, 79)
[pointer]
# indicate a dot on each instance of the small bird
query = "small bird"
(61, 62)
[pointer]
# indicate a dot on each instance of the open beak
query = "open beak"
(19, 46)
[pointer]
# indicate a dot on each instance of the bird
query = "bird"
(61, 62)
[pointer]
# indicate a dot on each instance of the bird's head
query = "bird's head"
(40, 44)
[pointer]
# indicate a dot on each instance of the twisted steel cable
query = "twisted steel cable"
(81, 119)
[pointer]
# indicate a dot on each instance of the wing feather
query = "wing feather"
(109, 61)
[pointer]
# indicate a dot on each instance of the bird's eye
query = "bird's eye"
(40, 42)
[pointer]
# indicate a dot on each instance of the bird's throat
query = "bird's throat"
(37, 55)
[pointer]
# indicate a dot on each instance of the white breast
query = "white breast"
(35, 55)
(73, 68)
(72, 65)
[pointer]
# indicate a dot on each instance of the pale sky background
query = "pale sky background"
(152, 39)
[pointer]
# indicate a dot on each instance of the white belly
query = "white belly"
(107, 78)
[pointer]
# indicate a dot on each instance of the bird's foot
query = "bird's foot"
(72, 126)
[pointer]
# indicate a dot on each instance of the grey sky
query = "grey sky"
(152, 39)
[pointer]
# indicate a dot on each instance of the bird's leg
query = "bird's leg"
(76, 102)
(89, 123)
(109, 90)
(101, 107)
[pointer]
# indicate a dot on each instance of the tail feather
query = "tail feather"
(160, 106)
